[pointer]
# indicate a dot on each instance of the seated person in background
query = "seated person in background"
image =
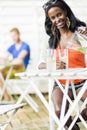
(20, 52)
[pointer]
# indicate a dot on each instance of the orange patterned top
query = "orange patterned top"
(75, 60)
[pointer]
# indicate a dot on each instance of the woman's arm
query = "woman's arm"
(59, 65)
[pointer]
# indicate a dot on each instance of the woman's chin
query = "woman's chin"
(61, 27)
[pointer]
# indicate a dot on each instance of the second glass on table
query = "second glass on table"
(54, 56)
(51, 60)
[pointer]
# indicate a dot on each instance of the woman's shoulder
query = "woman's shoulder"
(82, 38)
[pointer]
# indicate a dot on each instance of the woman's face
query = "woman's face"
(57, 17)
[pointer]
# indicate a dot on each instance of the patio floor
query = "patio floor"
(27, 119)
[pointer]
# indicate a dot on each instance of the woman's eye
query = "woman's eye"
(59, 14)
(52, 18)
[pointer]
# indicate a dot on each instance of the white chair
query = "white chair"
(4, 81)
(7, 82)
(74, 104)
(24, 93)
(5, 108)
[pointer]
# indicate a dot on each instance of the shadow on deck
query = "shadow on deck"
(27, 119)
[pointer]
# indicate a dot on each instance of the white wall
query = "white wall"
(28, 16)
(79, 8)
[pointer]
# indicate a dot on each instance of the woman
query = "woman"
(61, 25)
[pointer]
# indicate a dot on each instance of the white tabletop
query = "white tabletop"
(78, 73)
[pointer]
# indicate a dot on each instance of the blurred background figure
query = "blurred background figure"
(19, 50)
(18, 54)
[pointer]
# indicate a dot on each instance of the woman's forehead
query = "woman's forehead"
(54, 10)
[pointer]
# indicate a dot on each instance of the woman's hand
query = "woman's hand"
(60, 65)
(83, 31)
(42, 66)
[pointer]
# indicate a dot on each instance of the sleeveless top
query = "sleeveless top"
(76, 59)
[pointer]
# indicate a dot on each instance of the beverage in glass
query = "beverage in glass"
(63, 56)
(51, 60)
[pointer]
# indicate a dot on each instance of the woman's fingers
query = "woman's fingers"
(63, 65)
(84, 32)
(60, 65)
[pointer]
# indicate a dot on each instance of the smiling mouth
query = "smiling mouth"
(60, 24)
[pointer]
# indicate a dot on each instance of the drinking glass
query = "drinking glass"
(63, 56)
(51, 60)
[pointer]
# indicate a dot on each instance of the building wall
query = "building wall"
(28, 16)
(79, 8)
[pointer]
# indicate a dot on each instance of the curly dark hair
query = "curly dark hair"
(74, 22)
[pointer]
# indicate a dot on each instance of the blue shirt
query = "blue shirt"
(15, 53)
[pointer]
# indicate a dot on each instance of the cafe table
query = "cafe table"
(69, 75)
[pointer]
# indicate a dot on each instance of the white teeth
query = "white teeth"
(59, 23)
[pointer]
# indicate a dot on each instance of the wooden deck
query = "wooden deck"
(27, 119)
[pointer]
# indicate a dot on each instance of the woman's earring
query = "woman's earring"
(67, 22)
(53, 29)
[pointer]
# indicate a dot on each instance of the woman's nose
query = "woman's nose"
(56, 19)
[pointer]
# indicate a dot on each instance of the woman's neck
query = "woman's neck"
(64, 30)
(65, 36)
(65, 33)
